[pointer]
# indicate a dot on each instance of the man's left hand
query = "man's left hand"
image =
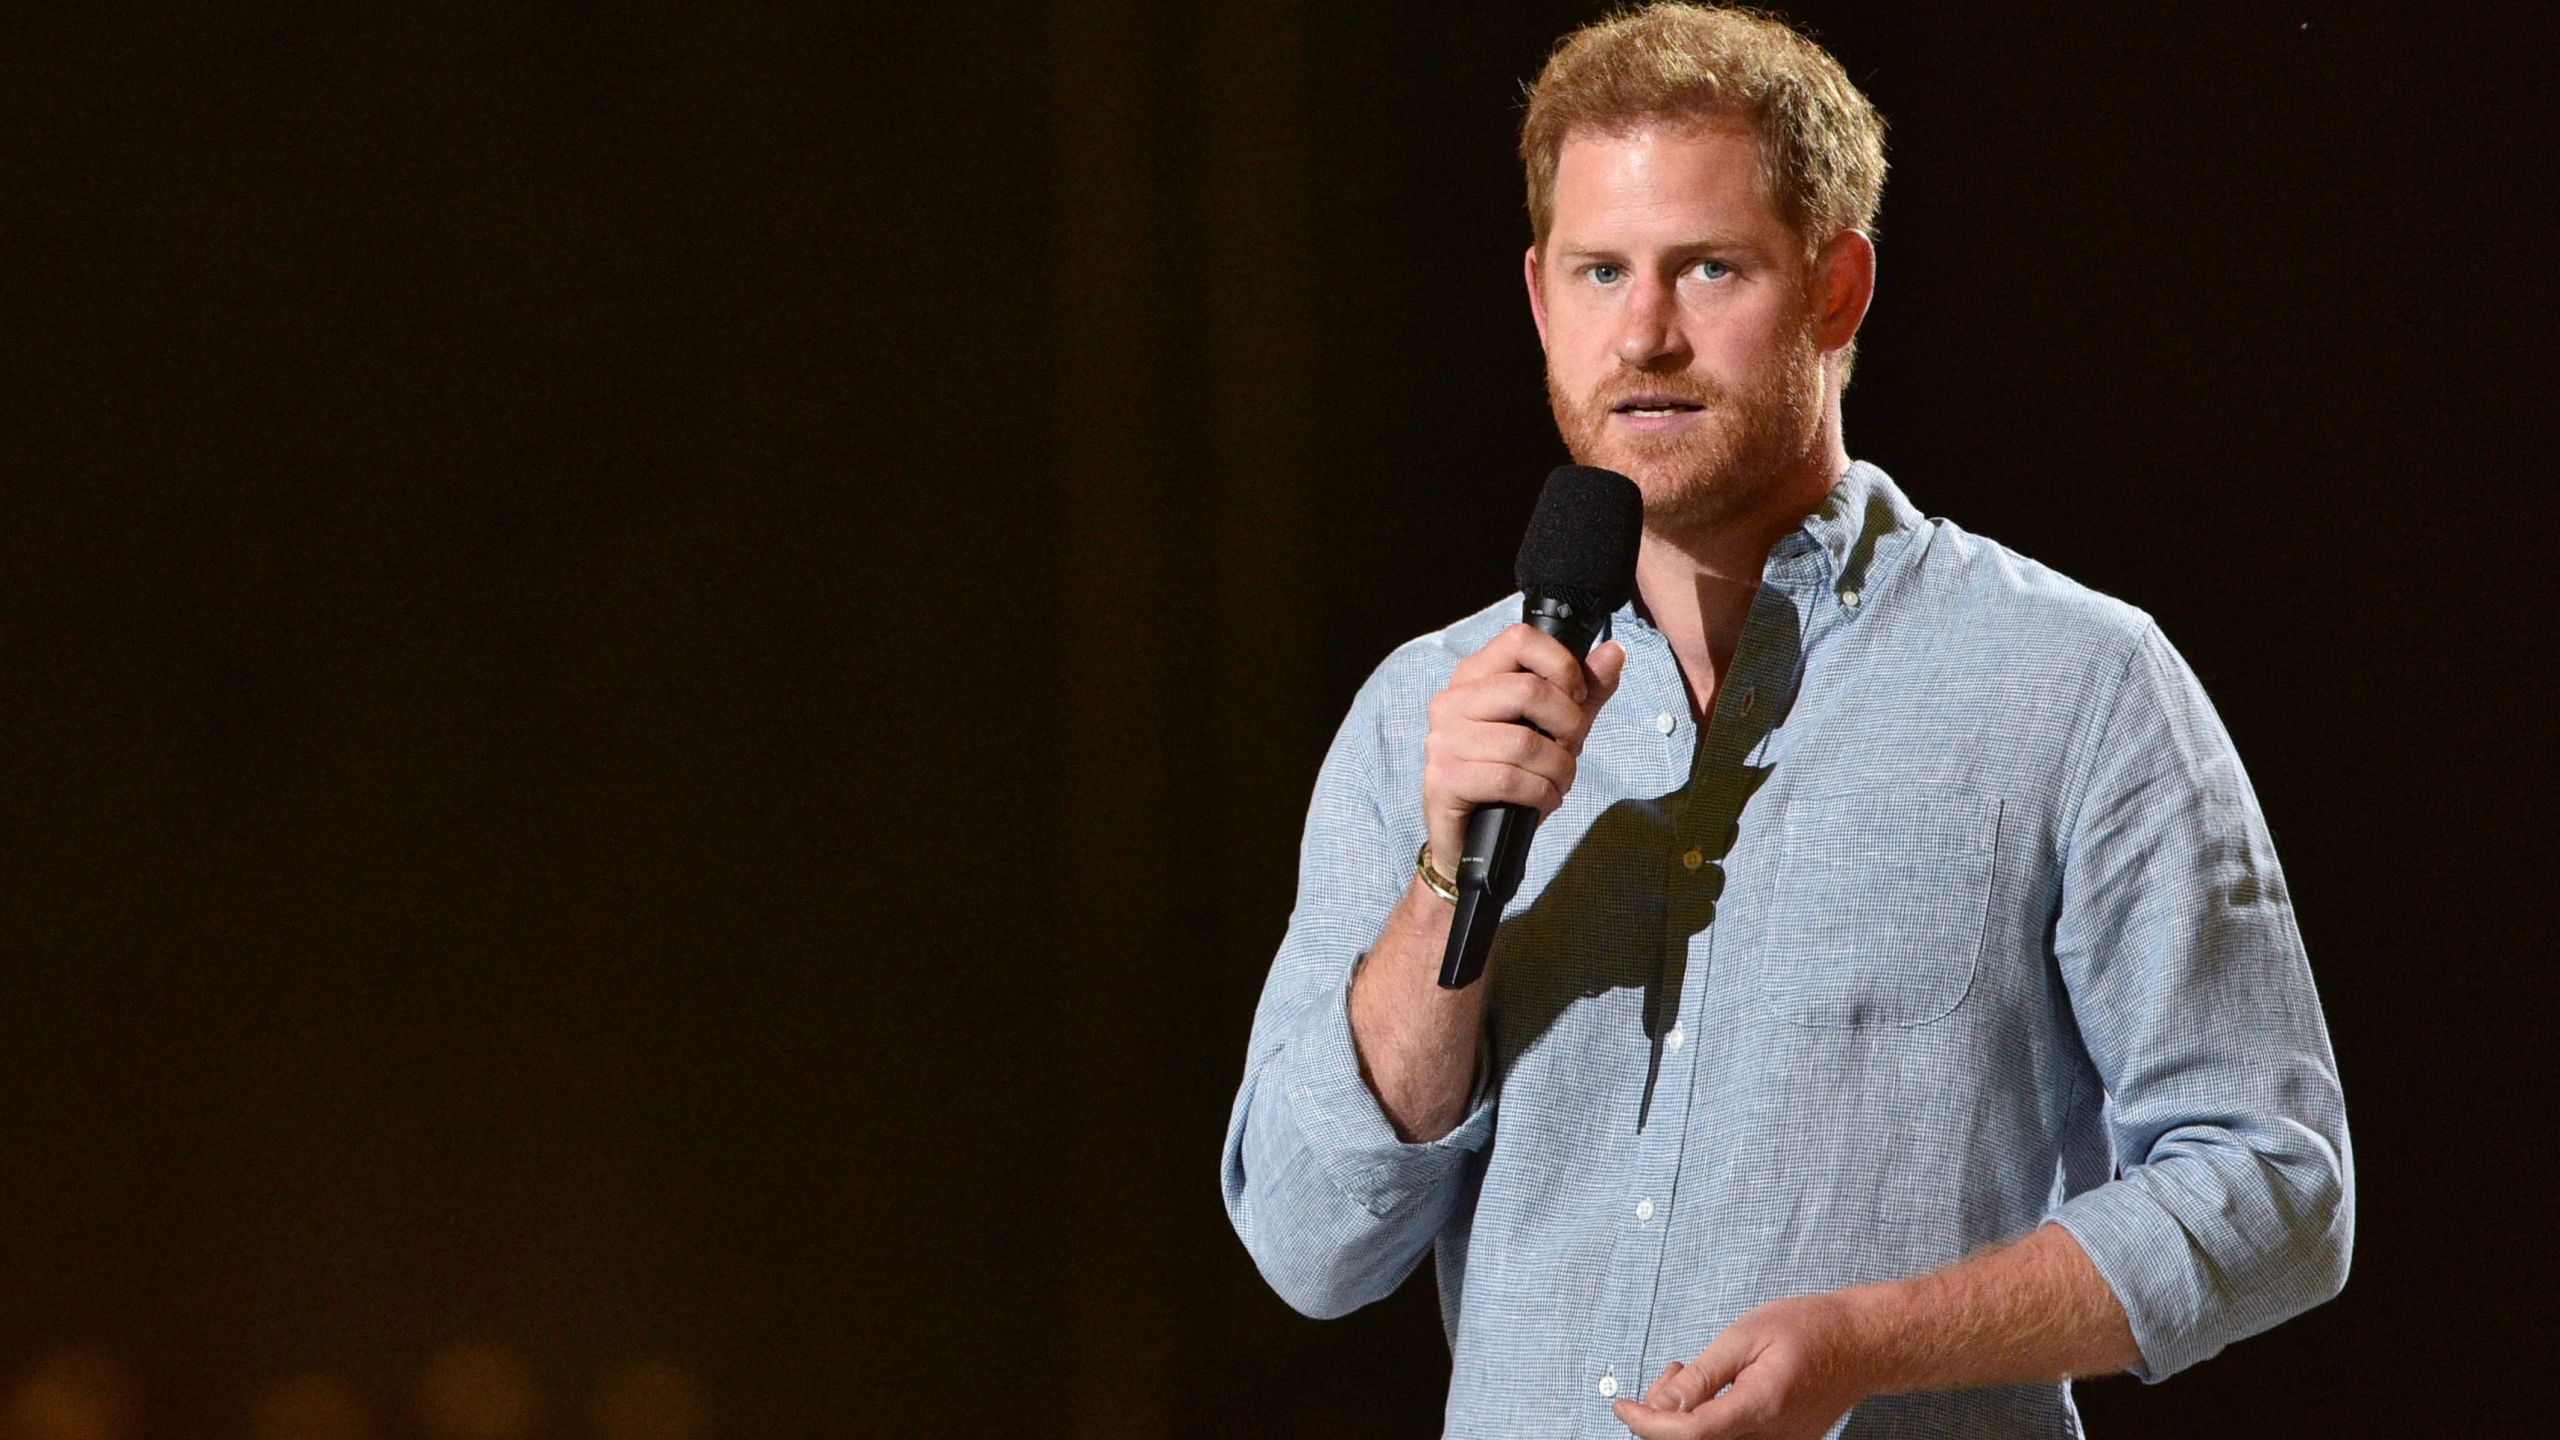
(1793, 1368)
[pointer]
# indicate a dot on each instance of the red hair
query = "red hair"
(1821, 141)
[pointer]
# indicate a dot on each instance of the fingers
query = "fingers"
(1515, 775)
(1700, 1380)
(1526, 675)
(1512, 697)
(1509, 729)
(1524, 647)
(1671, 1409)
(1650, 1423)
(1729, 1418)
(1653, 1424)
(1661, 1383)
(1452, 789)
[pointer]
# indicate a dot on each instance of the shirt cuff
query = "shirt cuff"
(2147, 1258)
(1347, 1131)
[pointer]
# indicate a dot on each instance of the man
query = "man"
(1903, 1011)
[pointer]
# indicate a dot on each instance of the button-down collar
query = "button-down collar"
(1841, 547)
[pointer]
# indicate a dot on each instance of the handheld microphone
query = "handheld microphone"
(1577, 565)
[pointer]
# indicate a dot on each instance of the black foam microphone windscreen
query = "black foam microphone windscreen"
(1582, 538)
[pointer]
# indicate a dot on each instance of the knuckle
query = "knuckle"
(1523, 693)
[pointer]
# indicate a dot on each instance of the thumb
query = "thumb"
(1607, 664)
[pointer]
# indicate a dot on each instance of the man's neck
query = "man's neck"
(1697, 587)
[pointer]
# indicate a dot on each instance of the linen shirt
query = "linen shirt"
(1959, 916)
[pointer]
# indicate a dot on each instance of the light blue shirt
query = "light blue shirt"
(1959, 917)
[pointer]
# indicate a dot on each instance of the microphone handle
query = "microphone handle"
(1497, 852)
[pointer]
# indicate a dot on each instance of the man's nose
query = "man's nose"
(1649, 330)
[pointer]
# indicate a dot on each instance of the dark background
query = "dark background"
(659, 666)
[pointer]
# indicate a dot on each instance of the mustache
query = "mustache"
(1681, 389)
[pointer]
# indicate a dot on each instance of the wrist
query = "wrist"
(1874, 1320)
(1428, 874)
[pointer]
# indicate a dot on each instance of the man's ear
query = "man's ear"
(1845, 278)
(1537, 298)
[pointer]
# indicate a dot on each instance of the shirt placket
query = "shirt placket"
(1706, 815)
(1617, 1335)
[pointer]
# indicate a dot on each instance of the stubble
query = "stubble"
(1747, 447)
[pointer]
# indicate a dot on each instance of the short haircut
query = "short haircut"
(1821, 141)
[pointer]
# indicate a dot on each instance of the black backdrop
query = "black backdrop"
(659, 666)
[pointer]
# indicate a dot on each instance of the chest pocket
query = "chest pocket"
(1881, 899)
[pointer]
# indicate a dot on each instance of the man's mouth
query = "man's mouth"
(1653, 406)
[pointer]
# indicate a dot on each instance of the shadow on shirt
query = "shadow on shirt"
(1622, 909)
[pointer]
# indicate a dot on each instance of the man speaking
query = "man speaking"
(1901, 1011)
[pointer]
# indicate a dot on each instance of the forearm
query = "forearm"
(1334, 1206)
(1417, 1042)
(2036, 1310)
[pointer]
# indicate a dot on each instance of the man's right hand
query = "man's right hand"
(1417, 1042)
(1481, 749)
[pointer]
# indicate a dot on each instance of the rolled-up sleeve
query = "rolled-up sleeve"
(1334, 1208)
(2232, 1207)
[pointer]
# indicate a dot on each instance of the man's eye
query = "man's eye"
(1603, 274)
(1713, 269)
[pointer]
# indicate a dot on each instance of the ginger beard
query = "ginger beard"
(1744, 449)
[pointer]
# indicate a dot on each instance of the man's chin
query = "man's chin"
(1688, 500)
(1649, 468)
(1669, 482)
(1688, 480)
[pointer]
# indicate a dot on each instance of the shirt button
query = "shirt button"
(1677, 1038)
(1608, 1385)
(1849, 598)
(1693, 859)
(1664, 723)
(1644, 1208)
